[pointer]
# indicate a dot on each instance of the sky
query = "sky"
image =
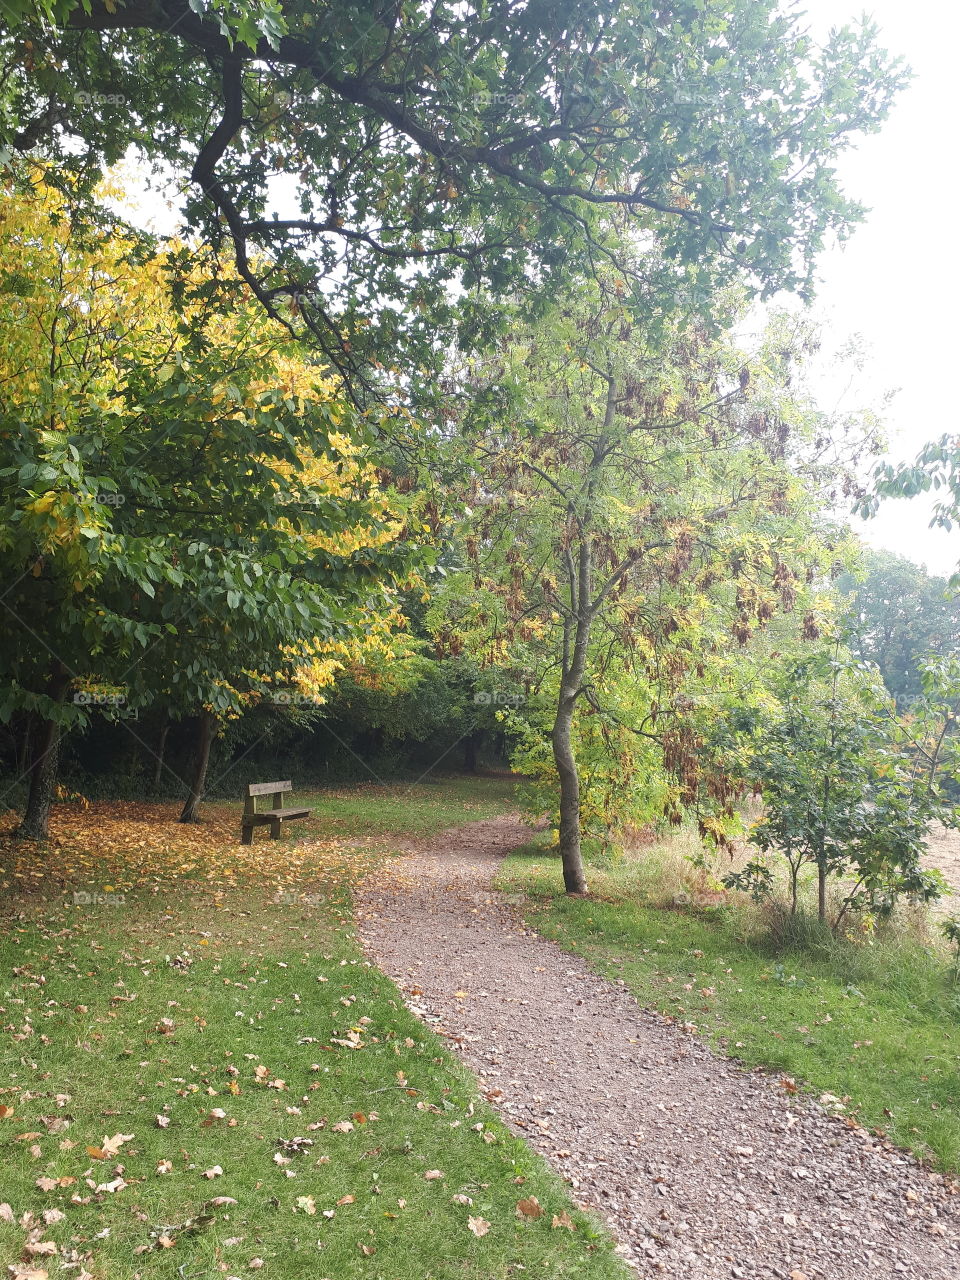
(896, 282)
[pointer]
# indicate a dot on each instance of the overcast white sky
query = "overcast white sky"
(897, 280)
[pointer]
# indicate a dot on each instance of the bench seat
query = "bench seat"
(274, 817)
(266, 815)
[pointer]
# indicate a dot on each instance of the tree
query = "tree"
(846, 788)
(426, 144)
(638, 501)
(190, 514)
(899, 615)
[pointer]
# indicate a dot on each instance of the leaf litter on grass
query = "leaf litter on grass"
(200, 1035)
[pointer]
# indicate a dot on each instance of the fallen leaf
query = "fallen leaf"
(368, 1250)
(164, 1166)
(529, 1208)
(110, 1147)
(562, 1220)
(55, 1124)
(215, 1172)
(432, 1174)
(307, 1204)
(479, 1226)
(255, 1264)
(6, 1213)
(346, 1200)
(112, 1187)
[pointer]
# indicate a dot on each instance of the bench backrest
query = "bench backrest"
(274, 789)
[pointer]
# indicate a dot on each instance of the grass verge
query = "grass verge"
(876, 1025)
(201, 1075)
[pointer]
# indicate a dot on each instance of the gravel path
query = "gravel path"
(702, 1170)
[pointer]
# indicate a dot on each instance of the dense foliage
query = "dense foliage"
(845, 788)
(189, 517)
(899, 616)
(360, 159)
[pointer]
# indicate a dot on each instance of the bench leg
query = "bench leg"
(275, 828)
(246, 834)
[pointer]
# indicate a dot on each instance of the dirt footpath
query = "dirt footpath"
(943, 854)
(703, 1171)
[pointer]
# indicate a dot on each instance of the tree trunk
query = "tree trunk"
(822, 858)
(577, 629)
(470, 745)
(571, 855)
(44, 766)
(206, 725)
(161, 749)
(822, 891)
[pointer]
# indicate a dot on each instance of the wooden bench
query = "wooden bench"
(275, 816)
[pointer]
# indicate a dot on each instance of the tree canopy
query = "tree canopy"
(191, 514)
(899, 616)
(385, 173)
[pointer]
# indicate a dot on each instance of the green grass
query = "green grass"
(150, 1016)
(420, 809)
(877, 1025)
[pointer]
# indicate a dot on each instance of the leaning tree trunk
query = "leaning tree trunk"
(44, 767)
(571, 854)
(206, 725)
